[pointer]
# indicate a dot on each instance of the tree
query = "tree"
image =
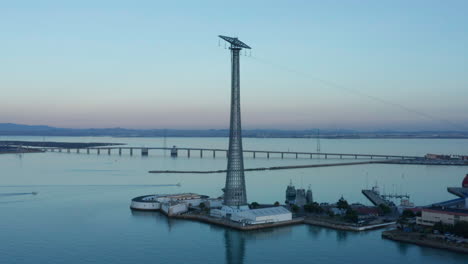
(342, 204)
(277, 203)
(351, 215)
(254, 205)
(295, 208)
(384, 208)
(461, 229)
(313, 208)
(439, 227)
(407, 214)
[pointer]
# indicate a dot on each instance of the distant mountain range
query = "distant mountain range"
(27, 130)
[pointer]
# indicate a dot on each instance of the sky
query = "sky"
(363, 65)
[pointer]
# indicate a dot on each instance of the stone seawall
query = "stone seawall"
(346, 227)
(234, 225)
(423, 240)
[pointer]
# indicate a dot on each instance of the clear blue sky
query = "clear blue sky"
(157, 64)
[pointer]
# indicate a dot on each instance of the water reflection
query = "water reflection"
(235, 247)
(402, 248)
(235, 241)
(341, 236)
(315, 231)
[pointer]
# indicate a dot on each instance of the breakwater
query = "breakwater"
(267, 168)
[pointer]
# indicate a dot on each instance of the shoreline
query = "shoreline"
(294, 221)
(346, 227)
(421, 240)
(234, 225)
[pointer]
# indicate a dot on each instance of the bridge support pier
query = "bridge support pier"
(131, 151)
(214, 153)
(87, 151)
(282, 154)
(144, 152)
(355, 156)
(68, 150)
(341, 156)
(98, 151)
(188, 153)
(77, 150)
(311, 156)
(296, 155)
(326, 156)
(254, 154)
(201, 153)
(120, 151)
(268, 155)
(108, 151)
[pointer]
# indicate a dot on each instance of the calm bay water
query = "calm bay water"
(81, 213)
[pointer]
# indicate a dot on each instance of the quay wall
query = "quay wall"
(418, 239)
(346, 227)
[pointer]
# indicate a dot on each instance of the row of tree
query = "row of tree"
(459, 228)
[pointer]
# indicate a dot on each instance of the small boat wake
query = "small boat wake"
(17, 194)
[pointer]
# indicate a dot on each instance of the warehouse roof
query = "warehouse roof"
(268, 211)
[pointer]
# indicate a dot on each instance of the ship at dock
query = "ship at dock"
(378, 199)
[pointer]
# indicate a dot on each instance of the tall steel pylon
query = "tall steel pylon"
(235, 194)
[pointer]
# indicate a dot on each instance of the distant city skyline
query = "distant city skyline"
(156, 65)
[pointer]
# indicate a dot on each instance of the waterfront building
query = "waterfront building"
(309, 196)
(449, 216)
(461, 192)
(300, 198)
(290, 193)
(263, 215)
(447, 212)
(173, 204)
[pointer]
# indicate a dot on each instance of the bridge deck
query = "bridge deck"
(254, 152)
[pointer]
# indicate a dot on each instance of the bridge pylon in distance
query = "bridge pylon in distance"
(234, 192)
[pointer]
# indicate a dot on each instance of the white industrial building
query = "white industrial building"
(263, 215)
(255, 216)
(173, 204)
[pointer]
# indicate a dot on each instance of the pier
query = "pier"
(190, 152)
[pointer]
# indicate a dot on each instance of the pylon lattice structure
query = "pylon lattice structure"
(235, 194)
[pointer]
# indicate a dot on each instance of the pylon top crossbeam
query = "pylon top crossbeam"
(235, 42)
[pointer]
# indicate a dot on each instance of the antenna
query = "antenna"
(367, 180)
(318, 140)
(165, 142)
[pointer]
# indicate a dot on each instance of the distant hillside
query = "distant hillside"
(26, 130)
(16, 127)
